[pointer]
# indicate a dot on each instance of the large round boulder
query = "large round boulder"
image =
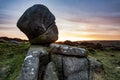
(38, 23)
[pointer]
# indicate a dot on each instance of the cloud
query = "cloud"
(99, 20)
(105, 37)
(6, 28)
(115, 7)
(96, 36)
(88, 26)
(6, 18)
(101, 36)
(94, 12)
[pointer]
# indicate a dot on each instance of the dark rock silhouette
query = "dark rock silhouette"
(38, 23)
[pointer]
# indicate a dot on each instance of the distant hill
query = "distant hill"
(97, 44)
(12, 39)
(102, 42)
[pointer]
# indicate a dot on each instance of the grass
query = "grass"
(110, 60)
(12, 55)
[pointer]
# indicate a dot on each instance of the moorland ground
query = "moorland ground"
(13, 52)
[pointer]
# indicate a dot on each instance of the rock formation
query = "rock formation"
(56, 62)
(71, 62)
(38, 23)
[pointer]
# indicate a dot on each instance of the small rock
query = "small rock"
(118, 67)
(14, 41)
(4, 70)
(95, 65)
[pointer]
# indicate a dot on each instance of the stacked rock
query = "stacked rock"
(71, 62)
(56, 62)
(38, 23)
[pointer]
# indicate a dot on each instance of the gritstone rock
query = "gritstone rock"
(51, 73)
(36, 60)
(70, 62)
(38, 23)
(68, 50)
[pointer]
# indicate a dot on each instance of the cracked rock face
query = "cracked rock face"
(70, 62)
(50, 73)
(38, 23)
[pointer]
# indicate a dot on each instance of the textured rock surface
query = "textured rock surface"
(50, 73)
(31, 66)
(38, 23)
(75, 68)
(95, 68)
(49, 36)
(71, 68)
(71, 62)
(58, 61)
(68, 50)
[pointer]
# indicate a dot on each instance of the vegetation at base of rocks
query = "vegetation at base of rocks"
(12, 54)
(111, 63)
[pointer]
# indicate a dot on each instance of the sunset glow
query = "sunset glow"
(76, 19)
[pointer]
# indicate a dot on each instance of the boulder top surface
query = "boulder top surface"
(68, 50)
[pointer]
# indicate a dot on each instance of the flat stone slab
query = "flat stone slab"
(68, 50)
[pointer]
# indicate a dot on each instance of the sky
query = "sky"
(76, 19)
